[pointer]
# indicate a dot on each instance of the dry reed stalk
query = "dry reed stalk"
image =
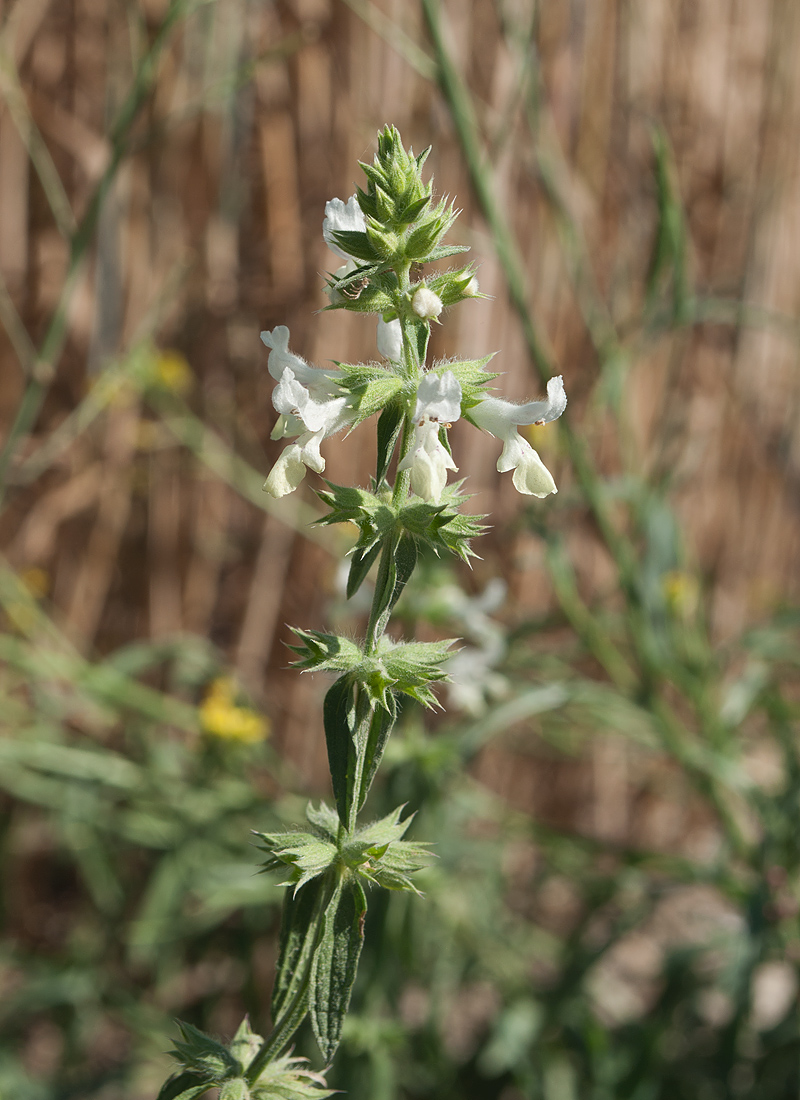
(238, 175)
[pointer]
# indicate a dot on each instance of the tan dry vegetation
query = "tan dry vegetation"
(211, 232)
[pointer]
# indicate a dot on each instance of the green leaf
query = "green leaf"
(360, 566)
(325, 819)
(441, 526)
(392, 869)
(376, 177)
(410, 212)
(380, 728)
(451, 285)
(376, 837)
(412, 666)
(299, 930)
(325, 652)
(307, 854)
(375, 516)
(469, 373)
(335, 965)
(287, 1078)
(405, 559)
(203, 1055)
(377, 853)
(397, 564)
(443, 251)
(373, 386)
(389, 425)
(425, 237)
(369, 208)
(339, 716)
(184, 1086)
(358, 244)
(370, 299)
(384, 241)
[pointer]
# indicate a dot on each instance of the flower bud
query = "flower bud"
(390, 340)
(426, 304)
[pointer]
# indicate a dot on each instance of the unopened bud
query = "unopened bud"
(426, 304)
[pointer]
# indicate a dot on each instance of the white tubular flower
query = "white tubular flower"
(311, 406)
(316, 379)
(428, 462)
(342, 217)
(290, 469)
(426, 304)
(301, 411)
(307, 397)
(438, 398)
(390, 340)
(438, 402)
(501, 419)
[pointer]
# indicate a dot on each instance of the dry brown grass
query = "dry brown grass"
(211, 232)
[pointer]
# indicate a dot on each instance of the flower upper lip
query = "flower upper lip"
(341, 217)
(501, 418)
(438, 398)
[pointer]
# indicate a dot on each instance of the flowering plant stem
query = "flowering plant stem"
(382, 234)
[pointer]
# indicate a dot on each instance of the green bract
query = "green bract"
(376, 852)
(207, 1063)
(378, 518)
(405, 667)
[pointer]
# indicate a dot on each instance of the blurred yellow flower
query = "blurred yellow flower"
(681, 591)
(36, 580)
(221, 717)
(172, 371)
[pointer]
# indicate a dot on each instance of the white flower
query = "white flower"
(501, 418)
(316, 379)
(290, 469)
(426, 304)
(302, 411)
(311, 406)
(438, 398)
(342, 217)
(438, 402)
(473, 678)
(390, 340)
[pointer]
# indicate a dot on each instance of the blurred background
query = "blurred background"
(613, 788)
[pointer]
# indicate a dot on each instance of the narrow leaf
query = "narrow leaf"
(389, 424)
(335, 965)
(360, 566)
(299, 928)
(356, 244)
(379, 731)
(339, 720)
(402, 566)
(186, 1086)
